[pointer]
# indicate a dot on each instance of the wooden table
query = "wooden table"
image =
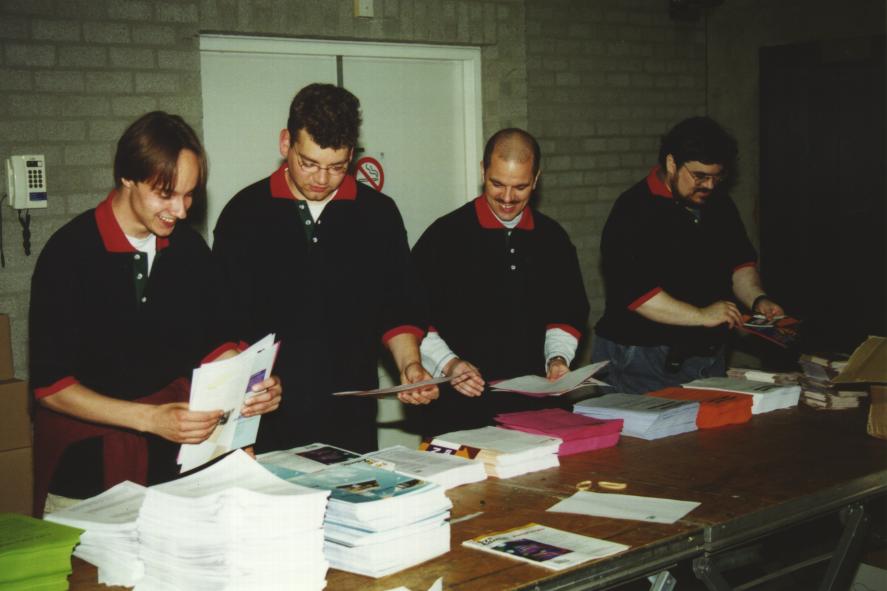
(780, 469)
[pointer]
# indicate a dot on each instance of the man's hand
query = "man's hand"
(769, 308)
(468, 380)
(719, 313)
(264, 399)
(410, 374)
(173, 421)
(557, 368)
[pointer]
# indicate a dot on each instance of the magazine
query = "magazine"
(545, 546)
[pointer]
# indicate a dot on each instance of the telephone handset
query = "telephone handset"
(26, 181)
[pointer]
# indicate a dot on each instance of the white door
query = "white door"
(420, 105)
(421, 123)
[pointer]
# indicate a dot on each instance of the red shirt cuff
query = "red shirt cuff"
(406, 328)
(224, 348)
(55, 387)
(640, 301)
(744, 265)
(566, 328)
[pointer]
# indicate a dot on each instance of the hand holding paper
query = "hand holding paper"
(228, 385)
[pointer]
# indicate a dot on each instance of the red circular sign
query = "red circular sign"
(369, 171)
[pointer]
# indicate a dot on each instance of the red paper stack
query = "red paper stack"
(716, 407)
(579, 433)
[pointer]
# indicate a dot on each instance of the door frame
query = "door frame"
(468, 57)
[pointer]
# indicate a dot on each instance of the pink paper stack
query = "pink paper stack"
(578, 432)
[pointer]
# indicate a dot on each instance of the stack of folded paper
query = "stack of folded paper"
(765, 397)
(716, 409)
(759, 375)
(233, 525)
(446, 470)
(579, 433)
(35, 554)
(818, 389)
(644, 416)
(504, 452)
(110, 540)
(378, 521)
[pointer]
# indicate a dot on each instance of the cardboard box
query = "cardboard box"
(6, 368)
(877, 425)
(867, 365)
(15, 422)
(17, 475)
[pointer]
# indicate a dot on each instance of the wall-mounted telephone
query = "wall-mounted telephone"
(26, 181)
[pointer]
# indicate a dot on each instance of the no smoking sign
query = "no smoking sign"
(369, 172)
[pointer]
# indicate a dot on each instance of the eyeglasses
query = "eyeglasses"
(700, 177)
(311, 167)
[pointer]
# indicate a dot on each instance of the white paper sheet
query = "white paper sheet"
(225, 385)
(619, 506)
(539, 386)
(394, 389)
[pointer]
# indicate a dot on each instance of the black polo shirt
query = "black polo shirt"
(333, 296)
(98, 319)
(492, 293)
(652, 242)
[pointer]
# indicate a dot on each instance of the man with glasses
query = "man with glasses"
(674, 257)
(321, 260)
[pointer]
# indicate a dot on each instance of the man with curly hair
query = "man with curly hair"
(322, 260)
(676, 261)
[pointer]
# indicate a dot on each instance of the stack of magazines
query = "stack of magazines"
(232, 525)
(579, 433)
(110, 540)
(716, 409)
(765, 397)
(378, 521)
(644, 416)
(504, 452)
(818, 390)
(448, 471)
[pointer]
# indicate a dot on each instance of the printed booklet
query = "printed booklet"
(545, 546)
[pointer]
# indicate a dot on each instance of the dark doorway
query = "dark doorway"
(822, 203)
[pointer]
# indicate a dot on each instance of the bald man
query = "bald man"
(501, 288)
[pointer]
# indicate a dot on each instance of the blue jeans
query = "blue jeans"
(638, 370)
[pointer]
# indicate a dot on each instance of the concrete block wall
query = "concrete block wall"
(605, 80)
(74, 73)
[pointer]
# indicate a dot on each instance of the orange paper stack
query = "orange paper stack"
(716, 408)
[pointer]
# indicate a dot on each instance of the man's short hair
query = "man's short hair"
(515, 137)
(148, 151)
(700, 139)
(330, 114)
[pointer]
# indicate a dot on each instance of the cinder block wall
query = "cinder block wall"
(605, 80)
(74, 73)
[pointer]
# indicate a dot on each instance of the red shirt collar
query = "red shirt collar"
(488, 220)
(655, 184)
(111, 232)
(281, 189)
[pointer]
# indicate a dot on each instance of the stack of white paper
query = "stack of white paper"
(378, 521)
(766, 396)
(110, 541)
(446, 470)
(233, 525)
(646, 417)
(504, 452)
